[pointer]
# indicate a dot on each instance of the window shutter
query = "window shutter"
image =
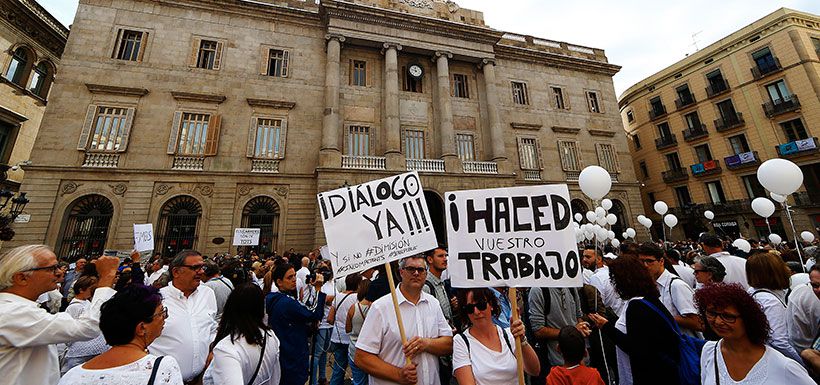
(194, 52)
(368, 74)
(129, 122)
(283, 139)
(521, 155)
(172, 140)
(88, 125)
(252, 133)
(117, 44)
(218, 55)
(285, 63)
(578, 163)
(264, 61)
(143, 46)
(452, 85)
(538, 154)
(212, 140)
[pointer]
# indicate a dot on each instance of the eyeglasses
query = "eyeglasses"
(415, 270)
(195, 267)
(647, 261)
(701, 271)
(470, 307)
(727, 318)
(53, 268)
(163, 313)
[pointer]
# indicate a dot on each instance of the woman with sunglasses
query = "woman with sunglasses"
(484, 354)
(741, 356)
(129, 321)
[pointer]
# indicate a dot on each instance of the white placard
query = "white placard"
(514, 237)
(144, 237)
(23, 218)
(246, 237)
(376, 222)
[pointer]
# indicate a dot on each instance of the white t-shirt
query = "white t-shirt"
(330, 290)
(235, 362)
(342, 303)
(678, 297)
(803, 314)
(773, 304)
(735, 268)
(604, 285)
(772, 369)
(687, 274)
(489, 367)
(135, 373)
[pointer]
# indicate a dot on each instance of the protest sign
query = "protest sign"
(514, 237)
(246, 237)
(376, 222)
(144, 237)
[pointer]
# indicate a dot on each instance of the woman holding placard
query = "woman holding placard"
(485, 353)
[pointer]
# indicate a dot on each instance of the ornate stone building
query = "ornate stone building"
(700, 127)
(31, 42)
(202, 116)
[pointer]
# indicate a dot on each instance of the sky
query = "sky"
(642, 36)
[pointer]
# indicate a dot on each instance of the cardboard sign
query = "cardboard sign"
(514, 237)
(376, 222)
(143, 237)
(246, 237)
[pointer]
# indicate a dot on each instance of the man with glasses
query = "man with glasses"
(29, 334)
(191, 324)
(379, 351)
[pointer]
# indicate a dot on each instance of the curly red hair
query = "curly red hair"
(721, 295)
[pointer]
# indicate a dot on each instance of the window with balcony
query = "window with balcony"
(682, 193)
(765, 62)
(727, 112)
(519, 93)
(194, 134)
(528, 154)
(716, 83)
(778, 92)
(410, 83)
(637, 140)
(715, 191)
(644, 169)
(607, 157)
(358, 73)
(664, 132)
(106, 129)
(739, 144)
(703, 154)
(358, 141)
(461, 87)
(208, 54)
(414, 144)
(630, 116)
(465, 145)
(277, 62)
(753, 187)
(685, 96)
(570, 157)
(592, 101)
(267, 139)
(693, 121)
(673, 161)
(130, 45)
(558, 98)
(794, 130)
(656, 107)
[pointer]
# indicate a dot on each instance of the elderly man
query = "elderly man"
(191, 324)
(379, 350)
(28, 334)
(735, 266)
(70, 277)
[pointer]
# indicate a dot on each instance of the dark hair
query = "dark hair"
(352, 281)
(710, 240)
(650, 249)
(815, 267)
(767, 271)
(479, 294)
(120, 315)
(84, 282)
(721, 295)
(631, 278)
(280, 271)
(361, 289)
(572, 345)
(712, 265)
(243, 315)
(629, 249)
(211, 268)
(123, 280)
(179, 261)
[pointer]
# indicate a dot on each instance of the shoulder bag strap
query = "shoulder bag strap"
(222, 279)
(717, 376)
(506, 339)
(155, 370)
(671, 324)
(466, 342)
(261, 356)
(768, 291)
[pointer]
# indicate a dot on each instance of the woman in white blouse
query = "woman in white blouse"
(484, 354)
(741, 355)
(80, 352)
(246, 351)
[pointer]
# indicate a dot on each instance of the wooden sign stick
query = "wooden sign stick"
(519, 357)
(389, 271)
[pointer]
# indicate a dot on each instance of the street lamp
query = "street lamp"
(18, 204)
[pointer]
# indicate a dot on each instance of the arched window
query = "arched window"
(85, 228)
(20, 65)
(41, 79)
(262, 213)
(178, 225)
(578, 207)
(620, 212)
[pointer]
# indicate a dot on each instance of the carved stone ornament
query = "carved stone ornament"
(119, 188)
(282, 191)
(69, 188)
(206, 190)
(422, 4)
(244, 190)
(163, 189)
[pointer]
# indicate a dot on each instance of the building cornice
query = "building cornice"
(36, 23)
(292, 11)
(275, 104)
(513, 53)
(115, 90)
(605, 133)
(565, 130)
(201, 98)
(526, 126)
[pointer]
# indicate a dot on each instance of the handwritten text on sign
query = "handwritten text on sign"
(515, 237)
(376, 222)
(245, 237)
(144, 237)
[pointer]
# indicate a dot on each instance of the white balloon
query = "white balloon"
(579, 237)
(763, 207)
(647, 223)
(589, 235)
(709, 215)
(807, 236)
(780, 176)
(742, 244)
(661, 207)
(630, 232)
(624, 235)
(576, 225)
(591, 216)
(578, 217)
(606, 204)
(615, 243)
(641, 216)
(611, 219)
(610, 234)
(595, 182)
(777, 197)
(601, 221)
(670, 220)
(600, 212)
(775, 239)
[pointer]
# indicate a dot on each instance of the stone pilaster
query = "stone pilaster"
(445, 113)
(330, 154)
(394, 158)
(498, 152)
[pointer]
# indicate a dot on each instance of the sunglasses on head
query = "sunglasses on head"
(480, 305)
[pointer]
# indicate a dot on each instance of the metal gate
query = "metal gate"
(178, 225)
(262, 213)
(85, 230)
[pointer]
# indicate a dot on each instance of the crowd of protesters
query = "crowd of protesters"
(693, 312)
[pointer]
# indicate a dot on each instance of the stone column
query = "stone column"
(445, 113)
(392, 122)
(330, 155)
(498, 151)
(808, 65)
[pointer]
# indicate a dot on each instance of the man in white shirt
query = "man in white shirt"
(676, 294)
(379, 350)
(158, 267)
(735, 266)
(28, 334)
(191, 324)
(600, 279)
(301, 276)
(804, 312)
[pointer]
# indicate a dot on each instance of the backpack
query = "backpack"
(690, 349)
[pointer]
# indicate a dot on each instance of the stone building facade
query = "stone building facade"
(203, 116)
(699, 128)
(31, 42)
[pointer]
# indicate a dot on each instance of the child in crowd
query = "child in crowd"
(573, 349)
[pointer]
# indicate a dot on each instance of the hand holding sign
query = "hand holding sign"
(144, 237)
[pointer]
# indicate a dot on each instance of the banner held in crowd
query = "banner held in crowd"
(376, 222)
(514, 237)
(246, 237)
(143, 237)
